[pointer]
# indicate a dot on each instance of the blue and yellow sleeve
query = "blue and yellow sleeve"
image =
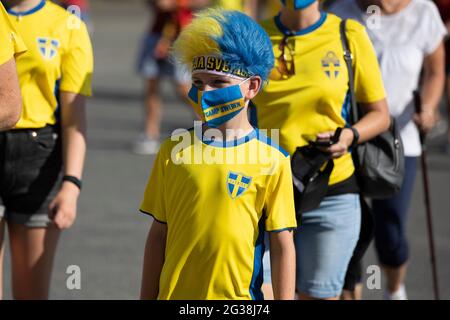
(279, 206)
(78, 62)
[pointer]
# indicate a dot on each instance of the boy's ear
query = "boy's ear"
(254, 85)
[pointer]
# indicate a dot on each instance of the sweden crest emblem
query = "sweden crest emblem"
(331, 65)
(48, 47)
(237, 183)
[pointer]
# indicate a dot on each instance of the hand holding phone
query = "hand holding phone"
(328, 143)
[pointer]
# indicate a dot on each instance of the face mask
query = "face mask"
(218, 106)
(297, 4)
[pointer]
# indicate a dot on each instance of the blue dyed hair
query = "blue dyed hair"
(232, 35)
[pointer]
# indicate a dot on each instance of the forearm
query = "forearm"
(153, 264)
(433, 81)
(432, 90)
(282, 258)
(375, 121)
(251, 8)
(10, 97)
(73, 131)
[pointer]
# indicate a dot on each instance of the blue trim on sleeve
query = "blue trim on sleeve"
(281, 230)
(265, 139)
(151, 215)
(345, 113)
(258, 271)
(57, 112)
(301, 32)
(25, 13)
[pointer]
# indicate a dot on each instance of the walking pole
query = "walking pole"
(423, 158)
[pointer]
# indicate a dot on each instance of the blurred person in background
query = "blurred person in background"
(249, 7)
(444, 9)
(10, 100)
(407, 35)
(169, 17)
(307, 99)
(43, 156)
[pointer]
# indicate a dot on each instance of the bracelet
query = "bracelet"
(74, 180)
(355, 137)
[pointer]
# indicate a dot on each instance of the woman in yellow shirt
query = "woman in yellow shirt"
(307, 99)
(43, 156)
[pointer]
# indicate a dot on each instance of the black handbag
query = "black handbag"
(380, 162)
(311, 170)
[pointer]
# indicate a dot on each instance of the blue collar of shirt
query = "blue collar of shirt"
(25, 13)
(311, 28)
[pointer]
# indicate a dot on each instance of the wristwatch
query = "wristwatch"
(355, 137)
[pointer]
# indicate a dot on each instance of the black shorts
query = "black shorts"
(30, 174)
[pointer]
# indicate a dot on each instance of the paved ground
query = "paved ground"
(107, 242)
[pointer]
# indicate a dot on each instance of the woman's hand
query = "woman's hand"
(63, 208)
(426, 120)
(162, 48)
(340, 148)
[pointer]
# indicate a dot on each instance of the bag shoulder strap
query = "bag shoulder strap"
(348, 57)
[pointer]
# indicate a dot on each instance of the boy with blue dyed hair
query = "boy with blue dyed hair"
(210, 216)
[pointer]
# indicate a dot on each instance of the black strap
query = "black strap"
(73, 180)
(348, 57)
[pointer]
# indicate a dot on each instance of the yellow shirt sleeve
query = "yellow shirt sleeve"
(369, 85)
(279, 206)
(154, 200)
(10, 43)
(77, 64)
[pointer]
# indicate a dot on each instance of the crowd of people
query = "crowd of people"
(404, 52)
(230, 226)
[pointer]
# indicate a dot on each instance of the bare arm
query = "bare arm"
(10, 97)
(73, 129)
(153, 260)
(251, 8)
(376, 120)
(432, 88)
(282, 259)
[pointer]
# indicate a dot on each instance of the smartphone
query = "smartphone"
(323, 143)
(328, 143)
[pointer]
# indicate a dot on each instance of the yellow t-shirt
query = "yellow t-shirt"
(10, 43)
(216, 213)
(59, 58)
(316, 98)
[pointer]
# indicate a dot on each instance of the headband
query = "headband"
(217, 65)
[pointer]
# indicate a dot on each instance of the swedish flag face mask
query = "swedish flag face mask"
(218, 106)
